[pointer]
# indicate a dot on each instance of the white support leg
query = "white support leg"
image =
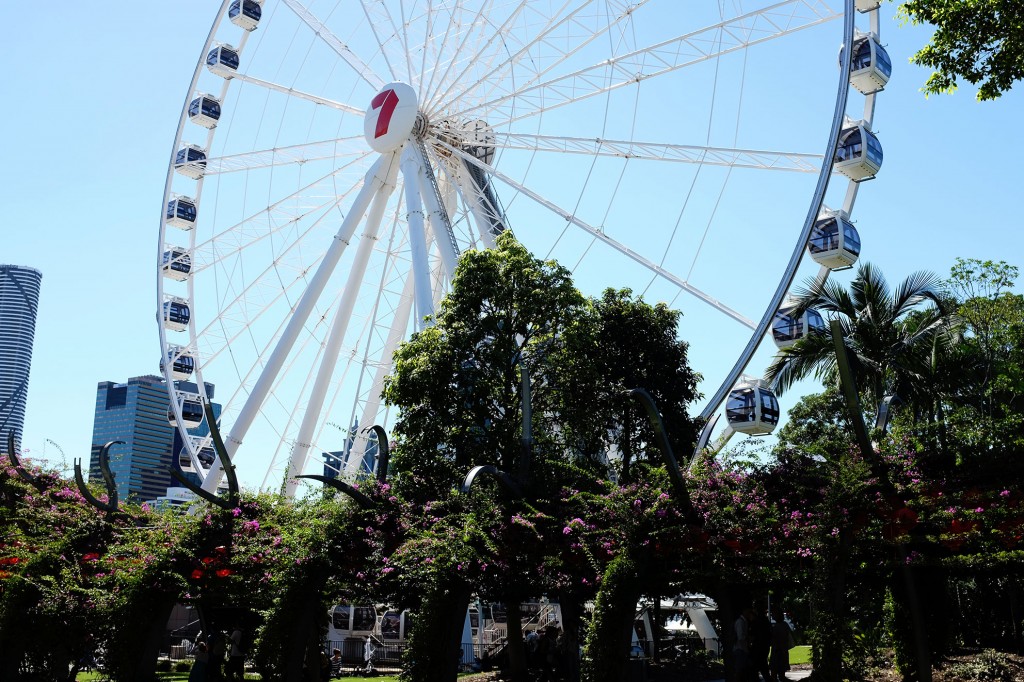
(417, 238)
(449, 257)
(475, 200)
(372, 183)
(329, 359)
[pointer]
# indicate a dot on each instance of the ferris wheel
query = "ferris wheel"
(333, 158)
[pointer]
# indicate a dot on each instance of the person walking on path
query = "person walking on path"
(782, 642)
(741, 648)
(200, 661)
(236, 661)
(760, 643)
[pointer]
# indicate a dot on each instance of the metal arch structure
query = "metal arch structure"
(410, 208)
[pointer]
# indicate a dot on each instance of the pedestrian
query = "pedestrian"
(368, 651)
(336, 663)
(760, 643)
(215, 667)
(782, 642)
(200, 661)
(236, 661)
(741, 647)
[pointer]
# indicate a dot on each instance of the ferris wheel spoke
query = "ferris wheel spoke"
(361, 68)
(299, 94)
(437, 54)
(261, 225)
(583, 29)
(472, 56)
(375, 179)
(378, 13)
(655, 151)
(337, 148)
(655, 60)
(601, 236)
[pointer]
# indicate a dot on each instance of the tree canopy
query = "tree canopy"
(979, 41)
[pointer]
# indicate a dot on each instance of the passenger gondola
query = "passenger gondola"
(789, 327)
(176, 314)
(245, 14)
(182, 363)
(871, 66)
(834, 241)
(176, 264)
(190, 161)
(191, 410)
(859, 153)
(223, 61)
(181, 213)
(752, 407)
(205, 457)
(204, 110)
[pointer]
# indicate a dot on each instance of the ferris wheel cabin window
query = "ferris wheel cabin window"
(851, 240)
(769, 408)
(741, 406)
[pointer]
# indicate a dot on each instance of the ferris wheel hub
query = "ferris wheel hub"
(391, 117)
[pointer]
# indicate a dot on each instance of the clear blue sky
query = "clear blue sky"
(93, 95)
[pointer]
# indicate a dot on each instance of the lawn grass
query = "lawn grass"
(799, 655)
(171, 677)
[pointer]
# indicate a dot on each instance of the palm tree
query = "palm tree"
(890, 337)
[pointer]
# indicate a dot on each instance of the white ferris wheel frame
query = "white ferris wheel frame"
(429, 222)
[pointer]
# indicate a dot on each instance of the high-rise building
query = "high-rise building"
(136, 413)
(19, 302)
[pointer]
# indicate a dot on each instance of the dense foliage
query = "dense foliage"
(916, 544)
(979, 41)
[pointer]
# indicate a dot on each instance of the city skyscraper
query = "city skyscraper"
(136, 412)
(19, 303)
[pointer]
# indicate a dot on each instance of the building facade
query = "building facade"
(19, 303)
(136, 412)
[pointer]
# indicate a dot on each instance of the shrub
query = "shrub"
(182, 666)
(163, 665)
(988, 666)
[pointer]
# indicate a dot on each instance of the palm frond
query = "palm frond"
(916, 288)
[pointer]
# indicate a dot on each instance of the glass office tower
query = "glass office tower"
(19, 302)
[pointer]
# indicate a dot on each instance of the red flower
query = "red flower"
(4, 574)
(91, 556)
(223, 572)
(221, 550)
(197, 574)
(208, 560)
(9, 561)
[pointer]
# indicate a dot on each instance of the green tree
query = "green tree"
(987, 395)
(459, 386)
(458, 381)
(979, 41)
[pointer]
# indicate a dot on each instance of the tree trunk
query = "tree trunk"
(830, 617)
(611, 628)
(514, 644)
(572, 612)
(435, 646)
